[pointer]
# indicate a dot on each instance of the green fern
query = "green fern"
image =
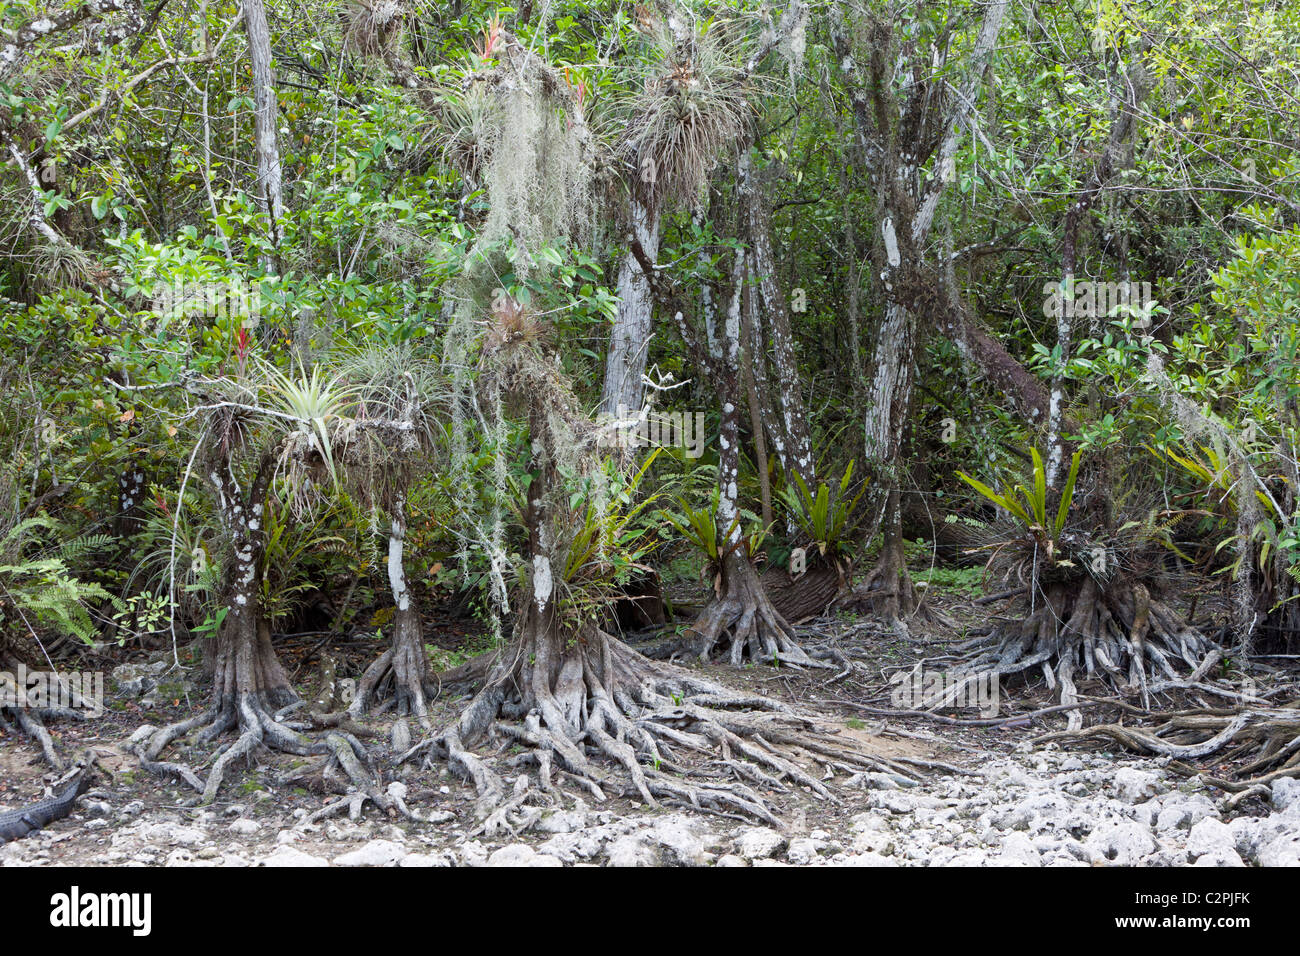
(43, 592)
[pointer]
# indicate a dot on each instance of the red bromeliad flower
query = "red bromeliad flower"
(243, 344)
(579, 94)
(491, 36)
(579, 88)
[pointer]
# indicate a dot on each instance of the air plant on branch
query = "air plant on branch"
(692, 101)
(313, 407)
(373, 27)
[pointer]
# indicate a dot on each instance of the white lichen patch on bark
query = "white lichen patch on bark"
(891, 242)
(543, 585)
(396, 572)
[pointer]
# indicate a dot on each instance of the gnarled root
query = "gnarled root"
(1263, 744)
(400, 676)
(589, 711)
(257, 726)
(30, 723)
(889, 595)
(249, 685)
(1117, 632)
(742, 614)
(888, 592)
(31, 720)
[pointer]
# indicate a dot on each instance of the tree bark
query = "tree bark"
(797, 456)
(270, 175)
(410, 662)
(755, 410)
(629, 340)
(247, 677)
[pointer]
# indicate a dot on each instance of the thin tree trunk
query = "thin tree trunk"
(132, 484)
(409, 662)
(793, 418)
(755, 411)
(889, 405)
(629, 341)
(741, 609)
(764, 389)
(270, 176)
(857, 369)
(952, 318)
(727, 352)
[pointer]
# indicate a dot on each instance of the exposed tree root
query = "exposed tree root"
(741, 614)
(888, 589)
(249, 686)
(1074, 629)
(31, 720)
(888, 592)
(257, 727)
(398, 678)
(588, 710)
(32, 725)
(149, 741)
(1261, 744)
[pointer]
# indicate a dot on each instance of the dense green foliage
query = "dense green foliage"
(143, 283)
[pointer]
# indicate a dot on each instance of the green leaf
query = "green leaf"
(1067, 495)
(1002, 501)
(1039, 502)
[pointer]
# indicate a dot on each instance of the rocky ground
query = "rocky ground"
(1014, 803)
(1022, 808)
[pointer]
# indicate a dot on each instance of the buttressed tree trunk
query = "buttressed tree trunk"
(564, 691)
(741, 610)
(889, 403)
(248, 683)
